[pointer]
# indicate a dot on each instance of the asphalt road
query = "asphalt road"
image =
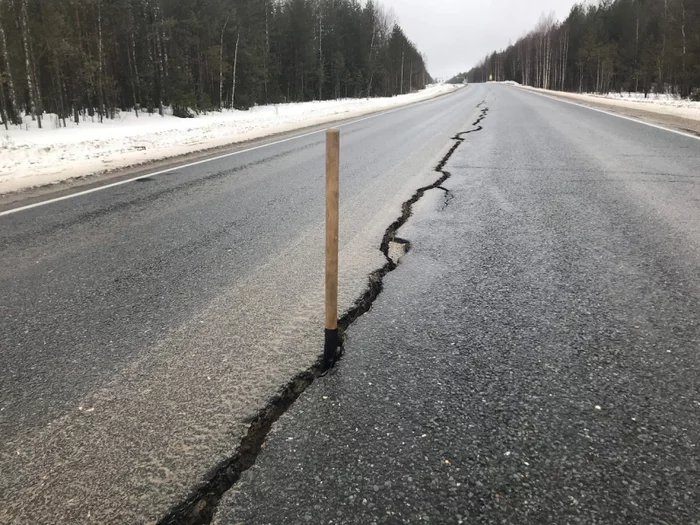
(532, 360)
(142, 324)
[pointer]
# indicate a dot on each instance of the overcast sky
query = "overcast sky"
(456, 34)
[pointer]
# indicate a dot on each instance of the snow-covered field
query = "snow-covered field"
(33, 157)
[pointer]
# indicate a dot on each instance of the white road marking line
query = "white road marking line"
(632, 119)
(219, 157)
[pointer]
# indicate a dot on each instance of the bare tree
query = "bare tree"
(661, 86)
(221, 64)
(267, 46)
(684, 50)
(15, 115)
(381, 22)
(564, 54)
(32, 86)
(235, 66)
(133, 63)
(371, 52)
(100, 61)
(3, 109)
(320, 51)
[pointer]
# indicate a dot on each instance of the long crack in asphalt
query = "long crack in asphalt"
(199, 507)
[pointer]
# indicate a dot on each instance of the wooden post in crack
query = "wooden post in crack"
(332, 201)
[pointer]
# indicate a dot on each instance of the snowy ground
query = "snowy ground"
(661, 104)
(652, 99)
(32, 157)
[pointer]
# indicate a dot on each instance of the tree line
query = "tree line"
(615, 45)
(98, 57)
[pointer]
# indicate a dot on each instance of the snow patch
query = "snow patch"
(661, 99)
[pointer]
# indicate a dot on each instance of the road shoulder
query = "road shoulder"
(680, 119)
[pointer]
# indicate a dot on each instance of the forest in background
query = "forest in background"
(649, 46)
(98, 57)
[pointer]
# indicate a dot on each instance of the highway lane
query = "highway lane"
(143, 323)
(534, 358)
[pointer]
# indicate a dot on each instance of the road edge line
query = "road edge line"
(625, 117)
(219, 157)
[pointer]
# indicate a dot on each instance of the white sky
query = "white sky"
(456, 34)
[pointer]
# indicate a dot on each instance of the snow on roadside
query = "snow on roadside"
(32, 157)
(665, 99)
(661, 104)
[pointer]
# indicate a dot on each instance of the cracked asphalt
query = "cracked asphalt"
(534, 357)
(142, 325)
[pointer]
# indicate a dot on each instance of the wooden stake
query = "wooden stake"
(332, 202)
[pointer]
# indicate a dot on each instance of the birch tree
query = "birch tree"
(32, 86)
(633, 45)
(221, 64)
(14, 114)
(235, 68)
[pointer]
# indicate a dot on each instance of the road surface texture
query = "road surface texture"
(534, 357)
(144, 325)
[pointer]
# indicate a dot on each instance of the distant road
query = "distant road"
(141, 324)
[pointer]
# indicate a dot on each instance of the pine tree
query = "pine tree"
(84, 59)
